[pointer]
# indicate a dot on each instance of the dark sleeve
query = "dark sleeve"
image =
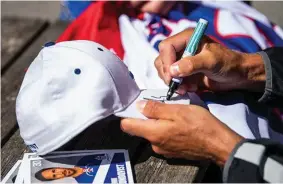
(273, 60)
(257, 161)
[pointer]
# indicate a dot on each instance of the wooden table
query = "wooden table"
(22, 39)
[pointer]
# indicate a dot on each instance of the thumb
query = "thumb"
(158, 110)
(188, 66)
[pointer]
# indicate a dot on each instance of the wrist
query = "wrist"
(253, 70)
(228, 141)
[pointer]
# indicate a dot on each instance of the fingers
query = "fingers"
(168, 50)
(151, 130)
(171, 48)
(159, 67)
(157, 110)
(168, 57)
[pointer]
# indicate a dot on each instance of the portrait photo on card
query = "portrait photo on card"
(81, 168)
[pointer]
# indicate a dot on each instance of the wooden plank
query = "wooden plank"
(12, 79)
(152, 168)
(11, 152)
(17, 34)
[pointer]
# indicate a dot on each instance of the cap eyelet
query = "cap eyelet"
(77, 71)
(48, 44)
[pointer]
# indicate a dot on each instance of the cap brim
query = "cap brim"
(152, 94)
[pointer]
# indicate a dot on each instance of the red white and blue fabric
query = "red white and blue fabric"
(134, 37)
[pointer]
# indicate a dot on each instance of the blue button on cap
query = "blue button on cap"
(48, 44)
(77, 71)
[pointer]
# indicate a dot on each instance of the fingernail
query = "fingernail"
(141, 104)
(174, 69)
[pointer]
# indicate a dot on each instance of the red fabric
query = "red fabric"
(99, 23)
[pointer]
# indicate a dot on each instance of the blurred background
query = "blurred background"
(50, 9)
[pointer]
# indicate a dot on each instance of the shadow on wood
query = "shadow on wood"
(154, 168)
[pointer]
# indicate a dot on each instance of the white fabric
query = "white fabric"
(137, 48)
(244, 153)
(269, 175)
(237, 7)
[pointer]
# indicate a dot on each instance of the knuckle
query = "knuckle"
(152, 108)
(158, 67)
(160, 74)
(162, 45)
(211, 50)
(186, 66)
(178, 111)
(165, 68)
(190, 65)
(212, 58)
(181, 111)
(158, 63)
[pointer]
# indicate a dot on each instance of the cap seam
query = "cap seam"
(103, 66)
(32, 81)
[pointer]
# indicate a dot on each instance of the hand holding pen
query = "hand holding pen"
(214, 67)
(190, 50)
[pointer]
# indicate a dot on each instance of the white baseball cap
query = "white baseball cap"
(71, 85)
